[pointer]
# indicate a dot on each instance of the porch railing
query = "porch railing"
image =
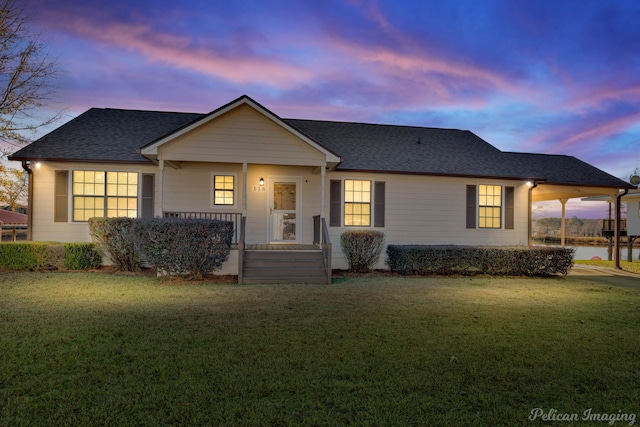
(320, 226)
(609, 227)
(235, 218)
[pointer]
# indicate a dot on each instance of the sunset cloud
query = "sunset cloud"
(551, 77)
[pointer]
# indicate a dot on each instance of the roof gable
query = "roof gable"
(151, 149)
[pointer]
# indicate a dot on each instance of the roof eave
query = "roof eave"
(440, 174)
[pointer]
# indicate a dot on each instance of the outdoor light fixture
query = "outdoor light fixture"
(261, 181)
(38, 165)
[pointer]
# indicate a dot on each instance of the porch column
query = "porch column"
(161, 186)
(323, 173)
(244, 189)
(562, 228)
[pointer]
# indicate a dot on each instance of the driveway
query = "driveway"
(606, 276)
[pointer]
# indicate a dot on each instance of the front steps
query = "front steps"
(283, 266)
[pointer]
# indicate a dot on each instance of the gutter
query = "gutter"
(25, 166)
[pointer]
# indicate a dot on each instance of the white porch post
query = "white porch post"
(322, 177)
(161, 186)
(562, 228)
(244, 189)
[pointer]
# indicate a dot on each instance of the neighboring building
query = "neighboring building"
(417, 185)
(633, 213)
(10, 223)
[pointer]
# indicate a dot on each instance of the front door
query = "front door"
(284, 216)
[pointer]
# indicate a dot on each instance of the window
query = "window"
(100, 194)
(489, 206)
(484, 204)
(357, 203)
(223, 190)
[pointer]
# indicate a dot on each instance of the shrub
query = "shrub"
(24, 256)
(190, 247)
(362, 248)
(470, 260)
(115, 238)
(81, 256)
(55, 255)
(49, 256)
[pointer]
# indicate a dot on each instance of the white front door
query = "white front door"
(284, 210)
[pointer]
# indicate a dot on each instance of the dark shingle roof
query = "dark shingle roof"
(407, 149)
(105, 134)
(563, 170)
(113, 135)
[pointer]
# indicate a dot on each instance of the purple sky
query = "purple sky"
(559, 77)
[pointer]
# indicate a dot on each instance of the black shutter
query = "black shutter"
(335, 205)
(378, 210)
(508, 207)
(471, 206)
(147, 195)
(61, 197)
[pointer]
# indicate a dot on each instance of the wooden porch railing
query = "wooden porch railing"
(326, 250)
(318, 228)
(243, 222)
(222, 216)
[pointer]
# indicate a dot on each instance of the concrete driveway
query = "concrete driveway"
(606, 276)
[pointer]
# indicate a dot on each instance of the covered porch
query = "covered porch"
(541, 192)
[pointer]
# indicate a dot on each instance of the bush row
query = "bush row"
(470, 260)
(49, 256)
(190, 247)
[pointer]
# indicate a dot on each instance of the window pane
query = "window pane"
(94, 185)
(223, 189)
(489, 206)
(357, 202)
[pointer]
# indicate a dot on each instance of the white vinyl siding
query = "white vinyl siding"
(242, 135)
(432, 210)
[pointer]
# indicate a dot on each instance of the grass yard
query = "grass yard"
(104, 349)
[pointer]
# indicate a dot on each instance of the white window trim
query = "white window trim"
(236, 191)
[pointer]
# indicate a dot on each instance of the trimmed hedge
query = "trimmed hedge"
(470, 260)
(49, 256)
(81, 256)
(362, 248)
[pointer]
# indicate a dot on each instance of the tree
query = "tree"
(26, 74)
(13, 188)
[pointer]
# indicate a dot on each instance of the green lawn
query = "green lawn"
(102, 349)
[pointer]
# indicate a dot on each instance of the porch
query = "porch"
(275, 262)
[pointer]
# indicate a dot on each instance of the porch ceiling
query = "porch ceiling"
(544, 192)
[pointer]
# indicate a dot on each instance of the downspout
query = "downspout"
(25, 166)
(534, 185)
(618, 227)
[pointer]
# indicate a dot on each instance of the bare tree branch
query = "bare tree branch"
(26, 75)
